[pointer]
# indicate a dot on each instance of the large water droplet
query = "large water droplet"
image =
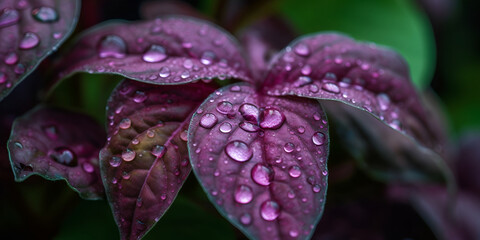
(11, 58)
(64, 155)
(238, 151)
(29, 41)
(383, 101)
(249, 127)
(246, 219)
(243, 194)
(331, 87)
(112, 46)
(224, 107)
(128, 155)
(294, 171)
(115, 161)
(164, 72)
(269, 210)
(9, 17)
(156, 53)
(289, 147)
(302, 81)
(45, 14)
(262, 174)
(225, 127)
(208, 120)
(318, 138)
(159, 150)
(249, 112)
(271, 118)
(301, 49)
(207, 58)
(125, 123)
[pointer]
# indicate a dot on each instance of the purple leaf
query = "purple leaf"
(169, 50)
(30, 31)
(145, 161)
(57, 144)
(262, 160)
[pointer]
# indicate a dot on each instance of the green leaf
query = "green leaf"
(394, 23)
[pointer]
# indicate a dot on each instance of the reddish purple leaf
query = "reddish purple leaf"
(145, 161)
(363, 75)
(30, 30)
(169, 50)
(262, 160)
(57, 144)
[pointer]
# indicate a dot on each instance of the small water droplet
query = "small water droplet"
(269, 210)
(316, 188)
(154, 54)
(249, 112)
(262, 174)
(249, 127)
(87, 167)
(291, 194)
(125, 175)
(64, 155)
(128, 155)
(45, 14)
(11, 58)
(29, 41)
(51, 132)
(225, 127)
(383, 101)
(271, 118)
(238, 151)
(243, 194)
(125, 123)
(302, 81)
(8, 17)
(207, 58)
(246, 219)
(235, 88)
(302, 49)
(293, 233)
(112, 46)
(150, 133)
(224, 107)
(300, 130)
(185, 74)
(139, 97)
(289, 147)
(318, 138)
(331, 87)
(57, 35)
(115, 161)
(188, 64)
(164, 72)
(208, 120)
(19, 68)
(159, 150)
(294, 171)
(3, 77)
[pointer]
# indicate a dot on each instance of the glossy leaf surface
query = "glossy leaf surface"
(262, 160)
(169, 50)
(145, 161)
(30, 30)
(58, 144)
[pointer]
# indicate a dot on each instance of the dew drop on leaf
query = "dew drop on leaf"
(262, 174)
(269, 210)
(45, 14)
(271, 118)
(51, 132)
(112, 46)
(331, 87)
(9, 17)
(164, 72)
(238, 151)
(249, 112)
(318, 138)
(128, 155)
(139, 97)
(225, 127)
(64, 155)
(224, 107)
(11, 58)
(289, 147)
(246, 219)
(383, 101)
(301, 49)
(87, 167)
(208, 120)
(249, 127)
(159, 151)
(29, 41)
(243, 194)
(115, 161)
(294, 171)
(125, 123)
(154, 54)
(207, 58)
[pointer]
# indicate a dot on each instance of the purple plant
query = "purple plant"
(250, 121)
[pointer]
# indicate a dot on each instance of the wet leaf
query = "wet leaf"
(262, 160)
(57, 144)
(29, 32)
(145, 160)
(169, 50)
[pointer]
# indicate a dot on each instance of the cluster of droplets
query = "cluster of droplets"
(29, 40)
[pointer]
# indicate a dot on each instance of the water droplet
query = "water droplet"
(125, 123)
(208, 120)
(271, 118)
(294, 171)
(125, 175)
(159, 150)
(128, 155)
(19, 68)
(249, 112)
(243, 194)
(225, 127)
(262, 174)
(87, 167)
(139, 97)
(163, 196)
(11, 58)
(207, 58)
(57, 35)
(383, 101)
(300, 130)
(235, 88)
(302, 81)
(29, 41)
(331, 87)
(45, 14)
(291, 194)
(269, 210)
(115, 161)
(3, 77)
(51, 132)
(318, 138)
(164, 72)
(185, 74)
(246, 219)
(316, 188)
(224, 107)
(289, 147)
(249, 127)
(184, 135)
(306, 70)
(155, 53)
(112, 46)
(188, 64)
(293, 233)
(64, 155)
(302, 49)
(238, 151)
(9, 17)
